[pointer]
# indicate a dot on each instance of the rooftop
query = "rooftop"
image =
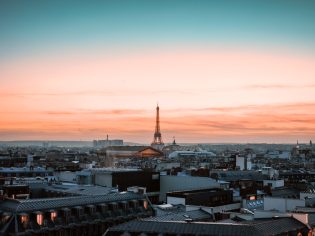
(285, 192)
(22, 169)
(128, 148)
(88, 190)
(195, 215)
(15, 205)
(257, 228)
(110, 169)
(237, 175)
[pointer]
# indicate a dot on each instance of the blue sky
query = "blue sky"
(32, 26)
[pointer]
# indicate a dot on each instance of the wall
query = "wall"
(85, 179)
(103, 179)
(275, 183)
(307, 195)
(115, 153)
(106, 161)
(282, 204)
(66, 176)
(149, 153)
(261, 214)
(176, 200)
(240, 162)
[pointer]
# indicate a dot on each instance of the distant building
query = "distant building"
(286, 199)
(107, 142)
(274, 183)
(193, 154)
(107, 156)
(270, 172)
(130, 151)
(235, 176)
(282, 204)
(6, 161)
(243, 163)
(25, 172)
(297, 176)
(166, 166)
(278, 154)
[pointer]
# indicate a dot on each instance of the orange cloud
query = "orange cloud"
(204, 95)
(285, 123)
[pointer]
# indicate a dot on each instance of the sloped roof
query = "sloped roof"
(14, 205)
(195, 215)
(257, 228)
(127, 148)
(80, 189)
(239, 175)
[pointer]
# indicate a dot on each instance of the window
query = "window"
(24, 219)
(39, 219)
(53, 215)
(145, 204)
(155, 176)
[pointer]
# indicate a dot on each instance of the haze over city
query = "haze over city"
(236, 72)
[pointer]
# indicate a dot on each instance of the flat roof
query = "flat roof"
(88, 190)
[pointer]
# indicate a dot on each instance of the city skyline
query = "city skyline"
(221, 71)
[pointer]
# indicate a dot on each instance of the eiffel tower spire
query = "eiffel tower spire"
(157, 141)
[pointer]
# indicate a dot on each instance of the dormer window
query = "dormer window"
(53, 215)
(145, 204)
(24, 219)
(39, 218)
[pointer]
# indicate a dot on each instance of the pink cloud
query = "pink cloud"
(285, 122)
(203, 94)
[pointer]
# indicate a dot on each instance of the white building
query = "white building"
(278, 154)
(270, 172)
(244, 163)
(274, 183)
(282, 204)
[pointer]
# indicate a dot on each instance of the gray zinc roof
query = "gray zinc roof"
(195, 215)
(80, 189)
(260, 228)
(54, 203)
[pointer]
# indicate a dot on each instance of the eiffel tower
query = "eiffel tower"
(157, 141)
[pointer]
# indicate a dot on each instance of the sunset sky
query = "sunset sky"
(221, 71)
